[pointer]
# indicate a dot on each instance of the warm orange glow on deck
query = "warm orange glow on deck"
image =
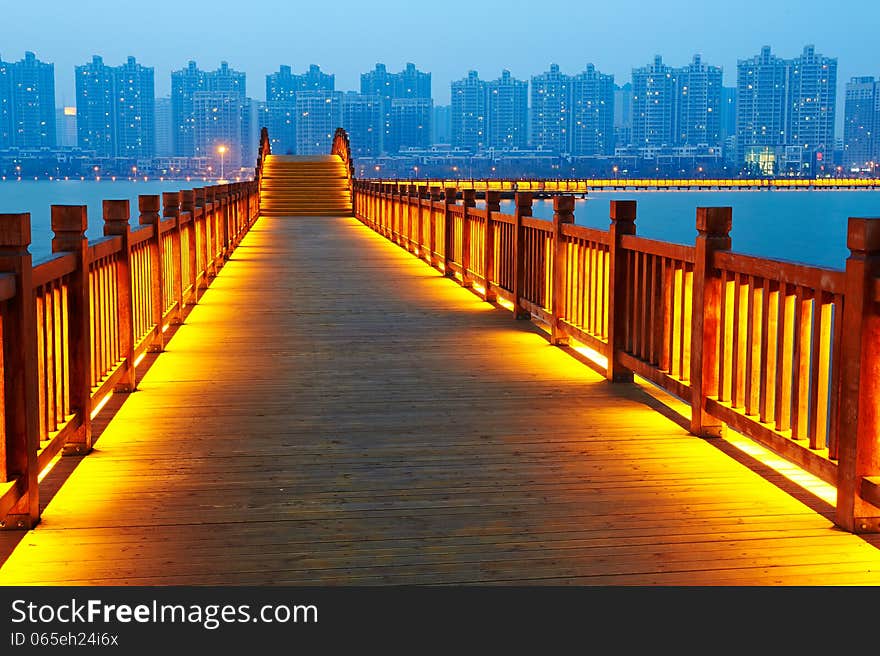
(789, 470)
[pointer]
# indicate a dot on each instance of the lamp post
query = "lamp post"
(222, 151)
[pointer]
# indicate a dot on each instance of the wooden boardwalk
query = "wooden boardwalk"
(334, 412)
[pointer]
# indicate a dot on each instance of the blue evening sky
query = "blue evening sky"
(348, 37)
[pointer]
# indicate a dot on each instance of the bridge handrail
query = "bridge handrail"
(76, 325)
(264, 151)
(582, 185)
(784, 353)
(342, 146)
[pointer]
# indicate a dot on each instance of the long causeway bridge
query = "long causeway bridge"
(314, 379)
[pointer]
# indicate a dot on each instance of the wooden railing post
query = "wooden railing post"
(117, 215)
(449, 195)
(69, 224)
(713, 234)
(623, 222)
(523, 201)
(202, 242)
(412, 194)
(563, 212)
(436, 196)
(223, 197)
(421, 194)
(211, 226)
(493, 204)
(187, 205)
(859, 409)
(469, 200)
(171, 209)
(19, 370)
(148, 206)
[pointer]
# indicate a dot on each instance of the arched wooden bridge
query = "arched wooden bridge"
(311, 379)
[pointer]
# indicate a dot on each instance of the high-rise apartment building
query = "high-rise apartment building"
(653, 105)
(785, 111)
(698, 105)
(507, 112)
(592, 113)
(27, 103)
(761, 90)
(226, 83)
(551, 110)
(218, 128)
(95, 107)
(318, 114)
(281, 90)
(115, 108)
(411, 123)
(362, 120)
(468, 113)
(812, 86)
(861, 143)
(135, 100)
(410, 83)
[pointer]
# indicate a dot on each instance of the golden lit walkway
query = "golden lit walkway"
(333, 411)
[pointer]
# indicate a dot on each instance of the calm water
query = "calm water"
(804, 226)
(37, 196)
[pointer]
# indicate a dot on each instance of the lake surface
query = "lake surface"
(804, 226)
(36, 197)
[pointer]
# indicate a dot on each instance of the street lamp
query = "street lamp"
(222, 151)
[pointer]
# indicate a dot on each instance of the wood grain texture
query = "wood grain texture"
(333, 411)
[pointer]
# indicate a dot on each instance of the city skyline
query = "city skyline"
(275, 33)
(787, 116)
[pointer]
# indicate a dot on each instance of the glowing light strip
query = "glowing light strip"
(140, 359)
(101, 405)
(812, 484)
(48, 468)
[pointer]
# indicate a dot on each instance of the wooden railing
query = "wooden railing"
(74, 327)
(784, 353)
(583, 185)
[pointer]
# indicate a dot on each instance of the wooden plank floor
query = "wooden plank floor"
(335, 412)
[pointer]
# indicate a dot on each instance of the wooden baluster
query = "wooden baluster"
(493, 204)
(623, 217)
(449, 194)
(859, 382)
(469, 200)
(170, 209)
(563, 213)
(117, 215)
(713, 234)
(523, 201)
(148, 206)
(19, 370)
